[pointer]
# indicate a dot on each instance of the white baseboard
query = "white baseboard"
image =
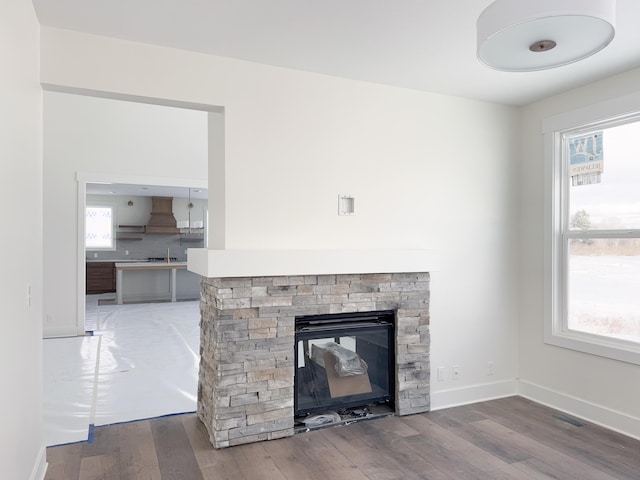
(40, 466)
(60, 332)
(473, 394)
(598, 414)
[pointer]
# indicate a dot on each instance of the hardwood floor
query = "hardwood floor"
(511, 438)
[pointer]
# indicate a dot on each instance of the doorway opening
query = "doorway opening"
(139, 359)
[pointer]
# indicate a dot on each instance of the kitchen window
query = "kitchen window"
(594, 219)
(99, 227)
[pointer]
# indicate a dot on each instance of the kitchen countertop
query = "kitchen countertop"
(117, 260)
(146, 265)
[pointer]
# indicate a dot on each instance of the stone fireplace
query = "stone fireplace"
(246, 384)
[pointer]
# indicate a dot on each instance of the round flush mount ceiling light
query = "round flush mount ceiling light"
(528, 35)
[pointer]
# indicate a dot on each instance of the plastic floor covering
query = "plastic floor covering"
(141, 362)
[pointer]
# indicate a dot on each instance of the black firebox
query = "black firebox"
(344, 360)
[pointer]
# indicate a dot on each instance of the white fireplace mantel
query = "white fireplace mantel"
(212, 263)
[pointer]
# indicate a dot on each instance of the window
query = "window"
(99, 221)
(595, 238)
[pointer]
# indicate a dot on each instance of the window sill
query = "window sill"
(619, 350)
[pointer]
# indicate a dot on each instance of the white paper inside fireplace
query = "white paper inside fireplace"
(346, 342)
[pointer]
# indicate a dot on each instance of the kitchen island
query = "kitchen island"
(170, 267)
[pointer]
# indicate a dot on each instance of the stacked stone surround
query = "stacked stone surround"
(246, 384)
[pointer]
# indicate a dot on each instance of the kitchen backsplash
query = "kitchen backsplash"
(148, 246)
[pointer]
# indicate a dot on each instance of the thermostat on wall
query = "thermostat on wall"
(346, 205)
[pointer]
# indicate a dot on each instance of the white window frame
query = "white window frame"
(607, 114)
(113, 246)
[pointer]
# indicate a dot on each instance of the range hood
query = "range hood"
(162, 219)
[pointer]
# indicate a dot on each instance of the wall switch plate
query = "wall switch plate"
(441, 373)
(490, 368)
(455, 372)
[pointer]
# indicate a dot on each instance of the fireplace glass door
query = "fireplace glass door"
(343, 361)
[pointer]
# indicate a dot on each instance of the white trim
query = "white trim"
(266, 263)
(601, 346)
(473, 394)
(614, 420)
(598, 112)
(88, 177)
(81, 263)
(87, 92)
(552, 270)
(605, 417)
(39, 469)
(64, 331)
(616, 110)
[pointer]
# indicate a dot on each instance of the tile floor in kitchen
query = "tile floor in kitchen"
(141, 362)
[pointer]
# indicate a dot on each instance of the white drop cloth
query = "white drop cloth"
(142, 362)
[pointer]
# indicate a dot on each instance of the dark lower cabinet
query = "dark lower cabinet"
(101, 277)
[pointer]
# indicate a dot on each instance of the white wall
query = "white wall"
(100, 136)
(22, 453)
(427, 171)
(603, 390)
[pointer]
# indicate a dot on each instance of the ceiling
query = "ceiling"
(419, 44)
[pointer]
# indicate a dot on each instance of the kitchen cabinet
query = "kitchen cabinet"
(100, 277)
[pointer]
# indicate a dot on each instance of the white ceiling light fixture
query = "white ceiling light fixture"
(529, 35)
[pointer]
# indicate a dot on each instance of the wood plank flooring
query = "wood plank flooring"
(511, 438)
